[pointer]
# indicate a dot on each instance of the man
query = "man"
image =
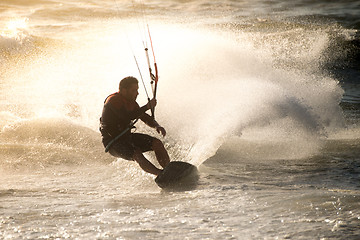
(120, 109)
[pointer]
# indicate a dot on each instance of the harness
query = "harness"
(120, 135)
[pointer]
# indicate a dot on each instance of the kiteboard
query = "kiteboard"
(178, 175)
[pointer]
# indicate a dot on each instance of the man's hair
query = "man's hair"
(126, 83)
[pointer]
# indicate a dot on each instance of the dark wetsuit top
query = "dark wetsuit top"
(118, 112)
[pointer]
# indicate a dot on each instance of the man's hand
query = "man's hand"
(161, 130)
(152, 103)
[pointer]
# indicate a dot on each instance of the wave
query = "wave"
(15, 43)
(40, 143)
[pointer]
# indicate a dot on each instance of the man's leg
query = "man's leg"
(161, 154)
(144, 163)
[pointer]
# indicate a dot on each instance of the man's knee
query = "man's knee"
(137, 155)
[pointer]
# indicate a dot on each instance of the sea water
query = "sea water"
(262, 96)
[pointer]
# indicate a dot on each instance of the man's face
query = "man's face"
(132, 92)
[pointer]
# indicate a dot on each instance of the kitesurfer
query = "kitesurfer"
(119, 110)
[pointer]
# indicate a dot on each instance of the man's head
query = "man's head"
(128, 87)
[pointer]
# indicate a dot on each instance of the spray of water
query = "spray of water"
(218, 89)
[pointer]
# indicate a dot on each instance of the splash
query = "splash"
(234, 87)
(214, 85)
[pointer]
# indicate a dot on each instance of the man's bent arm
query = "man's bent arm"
(151, 122)
(139, 112)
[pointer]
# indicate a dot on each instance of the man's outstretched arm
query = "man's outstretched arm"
(151, 122)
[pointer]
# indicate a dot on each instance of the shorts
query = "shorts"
(125, 147)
